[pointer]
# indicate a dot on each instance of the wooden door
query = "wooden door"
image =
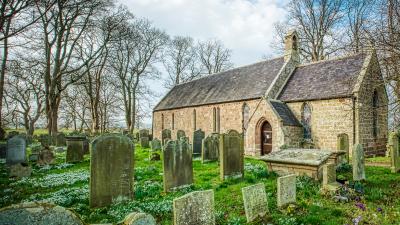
(266, 138)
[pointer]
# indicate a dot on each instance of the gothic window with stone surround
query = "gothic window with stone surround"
(194, 119)
(306, 120)
(162, 121)
(214, 119)
(375, 105)
(245, 116)
(218, 120)
(173, 121)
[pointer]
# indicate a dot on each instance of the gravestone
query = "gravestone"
(231, 152)
(177, 164)
(358, 163)
(156, 145)
(16, 150)
(286, 193)
(60, 140)
(210, 148)
(195, 208)
(150, 137)
(394, 150)
(11, 134)
(143, 133)
(111, 170)
(20, 170)
(165, 134)
(46, 157)
(86, 146)
(198, 137)
(179, 134)
(3, 150)
(255, 201)
(144, 142)
(37, 214)
(75, 148)
(137, 218)
(343, 144)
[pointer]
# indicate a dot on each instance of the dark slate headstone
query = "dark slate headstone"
(210, 148)
(75, 148)
(177, 164)
(37, 214)
(198, 137)
(111, 170)
(165, 134)
(156, 145)
(231, 154)
(60, 140)
(16, 150)
(179, 134)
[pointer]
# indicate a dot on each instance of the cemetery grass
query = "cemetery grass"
(67, 185)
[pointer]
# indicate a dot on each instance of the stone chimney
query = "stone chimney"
(292, 46)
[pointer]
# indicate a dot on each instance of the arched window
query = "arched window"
(245, 116)
(218, 120)
(173, 121)
(306, 120)
(162, 121)
(194, 119)
(375, 105)
(294, 46)
(214, 120)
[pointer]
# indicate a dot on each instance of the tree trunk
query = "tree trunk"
(3, 70)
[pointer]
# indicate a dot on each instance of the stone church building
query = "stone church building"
(280, 103)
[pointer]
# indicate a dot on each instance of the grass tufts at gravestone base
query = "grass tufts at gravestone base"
(376, 201)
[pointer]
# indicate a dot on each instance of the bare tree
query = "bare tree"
(25, 89)
(133, 58)
(214, 57)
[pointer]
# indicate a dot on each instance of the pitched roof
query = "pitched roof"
(284, 113)
(323, 80)
(247, 82)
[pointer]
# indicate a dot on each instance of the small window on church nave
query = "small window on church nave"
(306, 120)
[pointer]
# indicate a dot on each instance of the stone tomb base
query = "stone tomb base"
(301, 162)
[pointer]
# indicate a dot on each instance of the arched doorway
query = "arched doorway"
(266, 138)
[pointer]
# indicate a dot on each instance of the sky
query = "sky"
(244, 26)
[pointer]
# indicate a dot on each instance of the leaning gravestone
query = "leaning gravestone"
(394, 149)
(111, 170)
(195, 208)
(231, 155)
(16, 150)
(286, 190)
(210, 148)
(165, 134)
(156, 145)
(179, 134)
(177, 164)
(75, 148)
(144, 142)
(198, 137)
(60, 140)
(255, 201)
(358, 163)
(31, 213)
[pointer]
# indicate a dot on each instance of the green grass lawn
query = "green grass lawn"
(67, 185)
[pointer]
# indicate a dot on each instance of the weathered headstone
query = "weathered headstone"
(255, 201)
(111, 170)
(16, 150)
(136, 218)
(46, 157)
(343, 144)
(156, 145)
(179, 134)
(198, 137)
(86, 146)
(358, 163)
(231, 152)
(195, 208)
(3, 150)
(144, 142)
(143, 133)
(286, 193)
(165, 134)
(210, 148)
(75, 148)
(394, 150)
(177, 164)
(60, 139)
(37, 214)
(20, 170)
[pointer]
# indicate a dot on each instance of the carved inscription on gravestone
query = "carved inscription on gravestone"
(255, 201)
(231, 154)
(210, 148)
(286, 193)
(16, 150)
(195, 208)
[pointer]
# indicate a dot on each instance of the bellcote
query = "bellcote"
(292, 46)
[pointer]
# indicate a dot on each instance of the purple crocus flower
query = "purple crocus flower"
(361, 206)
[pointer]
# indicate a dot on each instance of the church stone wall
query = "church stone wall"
(329, 118)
